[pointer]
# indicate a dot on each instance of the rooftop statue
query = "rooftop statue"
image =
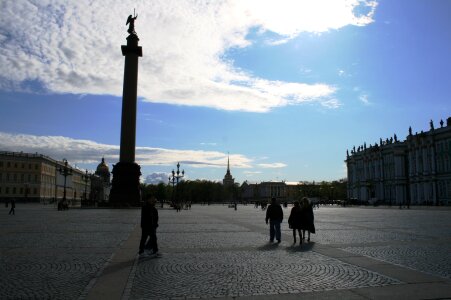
(131, 21)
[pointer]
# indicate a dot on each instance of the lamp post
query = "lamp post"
(65, 171)
(175, 177)
(85, 178)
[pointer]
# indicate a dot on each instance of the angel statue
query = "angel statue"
(131, 20)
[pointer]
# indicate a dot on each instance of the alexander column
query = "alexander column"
(125, 185)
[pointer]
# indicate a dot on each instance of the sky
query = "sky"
(282, 88)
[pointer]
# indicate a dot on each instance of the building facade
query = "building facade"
(264, 191)
(101, 183)
(38, 178)
(414, 171)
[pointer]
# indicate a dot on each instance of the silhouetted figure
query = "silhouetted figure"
(13, 206)
(274, 214)
(410, 130)
(431, 124)
(441, 123)
(131, 21)
(149, 224)
(307, 218)
(295, 221)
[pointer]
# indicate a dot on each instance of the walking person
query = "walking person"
(13, 206)
(307, 218)
(149, 225)
(295, 221)
(274, 214)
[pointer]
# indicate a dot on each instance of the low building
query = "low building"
(281, 190)
(35, 177)
(414, 171)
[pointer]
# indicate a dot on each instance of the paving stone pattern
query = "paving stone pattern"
(432, 260)
(244, 273)
(214, 251)
(50, 254)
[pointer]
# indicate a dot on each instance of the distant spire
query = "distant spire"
(228, 162)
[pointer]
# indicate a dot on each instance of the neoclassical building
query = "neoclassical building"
(414, 171)
(38, 178)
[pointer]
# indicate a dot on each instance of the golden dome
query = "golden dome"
(102, 168)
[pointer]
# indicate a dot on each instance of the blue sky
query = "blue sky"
(284, 86)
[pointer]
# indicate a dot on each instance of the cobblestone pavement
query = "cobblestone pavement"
(215, 251)
(226, 252)
(50, 254)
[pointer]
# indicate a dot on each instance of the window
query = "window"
(35, 191)
(29, 166)
(36, 166)
(9, 164)
(1, 164)
(22, 177)
(15, 165)
(21, 191)
(23, 166)
(7, 190)
(14, 190)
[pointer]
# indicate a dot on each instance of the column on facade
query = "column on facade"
(425, 160)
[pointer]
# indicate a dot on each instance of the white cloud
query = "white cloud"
(252, 172)
(74, 47)
(86, 151)
(364, 99)
(272, 165)
(331, 103)
(156, 178)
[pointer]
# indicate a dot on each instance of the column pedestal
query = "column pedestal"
(125, 189)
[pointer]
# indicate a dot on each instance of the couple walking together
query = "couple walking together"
(301, 219)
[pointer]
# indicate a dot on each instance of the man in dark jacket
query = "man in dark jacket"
(149, 224)
(274, 214)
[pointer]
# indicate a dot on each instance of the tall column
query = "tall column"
(125, 184)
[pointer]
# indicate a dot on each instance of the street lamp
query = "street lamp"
(175, 177)
(85, 178)
(65, 171)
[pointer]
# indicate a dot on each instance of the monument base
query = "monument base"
(125, 190)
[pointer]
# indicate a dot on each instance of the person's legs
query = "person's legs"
(300, 236)
(294, 235)
(308, 239)
(144, 235)
(271, 231)
(152, 243)
(278, 233)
